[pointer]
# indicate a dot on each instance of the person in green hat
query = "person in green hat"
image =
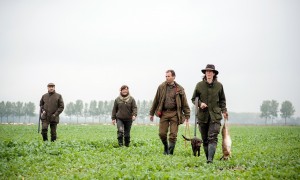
(52, 105)
(212, 105)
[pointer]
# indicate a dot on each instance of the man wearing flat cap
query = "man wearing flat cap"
(52, 105)
(212, 105)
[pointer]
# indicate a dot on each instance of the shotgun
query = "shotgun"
(196, 113)
(39, 119)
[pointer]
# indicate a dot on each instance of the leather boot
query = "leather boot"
(171, 148)
(211, 152)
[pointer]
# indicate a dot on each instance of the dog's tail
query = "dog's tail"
(186, 138)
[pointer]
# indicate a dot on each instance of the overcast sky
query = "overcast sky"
(90, 48)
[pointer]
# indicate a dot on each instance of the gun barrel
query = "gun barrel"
(39, 119)
(196, 112)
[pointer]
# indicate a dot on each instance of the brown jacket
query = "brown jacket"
(183, 109)
(124, 110)
(52, 103)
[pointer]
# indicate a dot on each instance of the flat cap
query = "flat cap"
(51, 84)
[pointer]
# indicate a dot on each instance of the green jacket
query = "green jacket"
(213, 95)
(124, 110)
(53, 104)
(183, 109)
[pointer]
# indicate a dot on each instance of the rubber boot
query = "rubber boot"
(127, 141)
(171, 148)
(45, 137)
(53, 138)
(206, 151)
(166, 148)
(120, 141)
(211, 152)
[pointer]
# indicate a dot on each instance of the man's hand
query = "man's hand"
(151, 118)
(225, 115)
(203, 105)
(114, 122)
(133, 118)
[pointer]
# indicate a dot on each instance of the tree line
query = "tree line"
(269, 110)
(16, 109)
(98, 110)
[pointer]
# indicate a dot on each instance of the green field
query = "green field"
(89, 152)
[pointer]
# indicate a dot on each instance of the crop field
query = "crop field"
(91, 152)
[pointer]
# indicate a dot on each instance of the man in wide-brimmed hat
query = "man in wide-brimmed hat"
(52, 105)
(212, 105)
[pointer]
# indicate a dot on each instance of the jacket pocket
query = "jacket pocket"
(54, 119)
(201, 116)
(217, 113)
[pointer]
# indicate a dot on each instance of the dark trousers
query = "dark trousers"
(124, 127)
(53, 127)
(209, 132)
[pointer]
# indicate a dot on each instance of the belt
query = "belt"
(173, 109)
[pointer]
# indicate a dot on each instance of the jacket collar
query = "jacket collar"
(51, 93)
(179, 90)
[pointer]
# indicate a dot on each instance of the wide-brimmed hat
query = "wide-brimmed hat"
(210, 67)
(50, 84)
